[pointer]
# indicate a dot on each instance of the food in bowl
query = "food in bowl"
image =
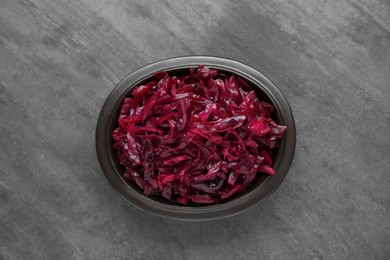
(198, 138)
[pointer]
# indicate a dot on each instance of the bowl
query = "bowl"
(261, 187)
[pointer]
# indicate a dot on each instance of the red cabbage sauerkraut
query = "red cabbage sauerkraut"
(195, 138)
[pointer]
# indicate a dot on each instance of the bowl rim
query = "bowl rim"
(209, 212)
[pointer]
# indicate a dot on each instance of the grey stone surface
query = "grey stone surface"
(60, 60)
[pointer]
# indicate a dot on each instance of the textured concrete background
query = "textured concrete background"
(60, 60)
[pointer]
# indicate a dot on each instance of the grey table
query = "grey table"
(60, 60)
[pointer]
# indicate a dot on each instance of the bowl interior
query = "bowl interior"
(261, 178)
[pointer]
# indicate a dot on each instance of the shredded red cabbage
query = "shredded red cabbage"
(197, 138)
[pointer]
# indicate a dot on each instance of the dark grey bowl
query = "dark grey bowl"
(263, 186)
